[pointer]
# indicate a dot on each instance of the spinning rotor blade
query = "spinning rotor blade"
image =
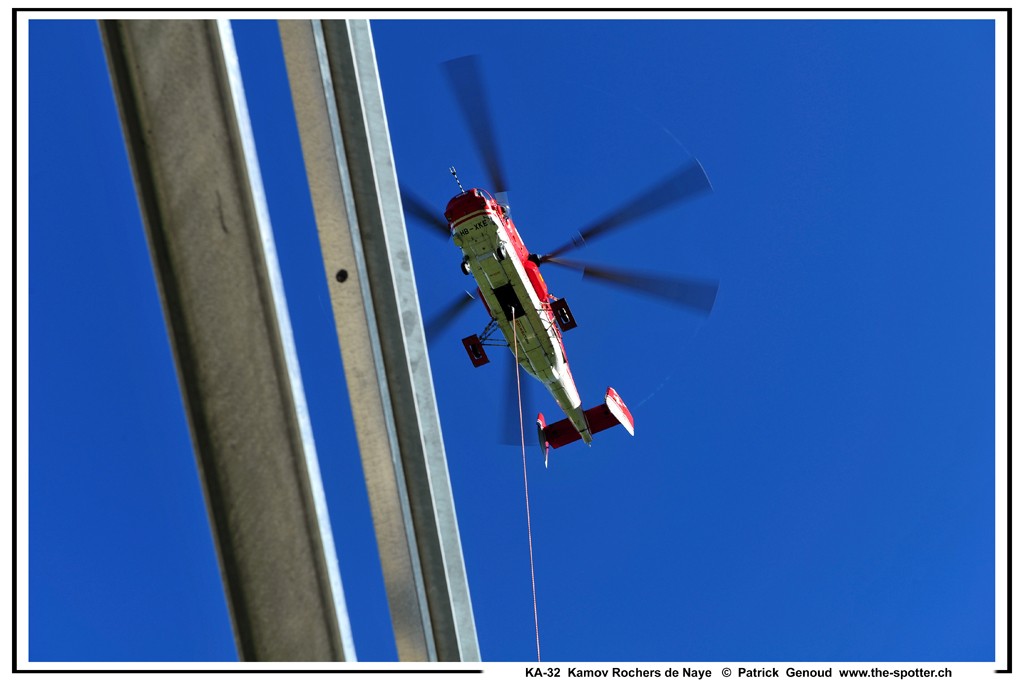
(685, 183)
(696, 294)
(440, 321)
(465, 77)
(510, 433)
(423, 212)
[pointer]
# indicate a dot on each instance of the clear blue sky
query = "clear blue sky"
(812, 474)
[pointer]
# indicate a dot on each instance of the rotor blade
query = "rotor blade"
(423, 212)
(465, 77)
(440, 321)
(687, 182)
(510, 432)
(696, 294)
(510, 407)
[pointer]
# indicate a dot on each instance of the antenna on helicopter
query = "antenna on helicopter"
(451, 169)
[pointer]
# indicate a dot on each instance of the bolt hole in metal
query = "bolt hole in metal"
(341, 276)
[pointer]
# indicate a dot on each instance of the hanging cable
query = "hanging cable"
(526, 484)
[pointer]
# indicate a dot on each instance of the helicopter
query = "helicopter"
(524, 316)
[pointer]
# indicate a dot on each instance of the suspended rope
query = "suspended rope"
(526, 484)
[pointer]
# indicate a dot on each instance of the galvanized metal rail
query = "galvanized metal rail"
(187, 129)
(347, 151)
(193, 156)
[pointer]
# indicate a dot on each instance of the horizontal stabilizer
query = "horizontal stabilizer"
(602, 417)
(559, 433)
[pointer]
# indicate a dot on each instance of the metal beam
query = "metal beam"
(187, 129)
(336, 90)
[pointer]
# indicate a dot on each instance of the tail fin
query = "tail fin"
(545, 447)
(613, 412)
(602, 417)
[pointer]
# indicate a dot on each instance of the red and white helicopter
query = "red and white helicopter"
(528, 317)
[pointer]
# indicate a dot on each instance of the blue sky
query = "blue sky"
(812, 476)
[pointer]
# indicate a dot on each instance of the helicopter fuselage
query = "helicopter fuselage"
(528, 316)
(508, 280)
(515, 295)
